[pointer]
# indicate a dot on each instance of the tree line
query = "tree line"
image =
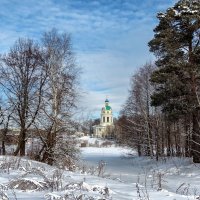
(39, 88)
(162, 112)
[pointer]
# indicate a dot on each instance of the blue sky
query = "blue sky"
(109, 39)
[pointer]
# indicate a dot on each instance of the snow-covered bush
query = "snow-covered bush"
(9, 163)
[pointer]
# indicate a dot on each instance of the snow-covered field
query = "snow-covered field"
(25, 179)
(124, 176)
(171, 178)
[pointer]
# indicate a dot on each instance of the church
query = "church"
(106, 126)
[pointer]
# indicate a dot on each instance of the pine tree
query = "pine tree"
(176, 44)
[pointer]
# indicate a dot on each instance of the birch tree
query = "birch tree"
(138, 111)
(59, 98)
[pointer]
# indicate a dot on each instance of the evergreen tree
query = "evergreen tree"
(176, 44)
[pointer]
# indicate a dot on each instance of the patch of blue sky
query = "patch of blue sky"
(97, 86)
(109, 37)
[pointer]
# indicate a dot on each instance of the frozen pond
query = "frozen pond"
(118, 164)
(134, 169)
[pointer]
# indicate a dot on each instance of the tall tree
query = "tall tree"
(22, 80)
(60, 95)
(176, 44)
(138, 111)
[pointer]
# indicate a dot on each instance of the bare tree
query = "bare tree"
(138, 111)
(145, 127)
(60, 93)
(6, 118)
(22, 80)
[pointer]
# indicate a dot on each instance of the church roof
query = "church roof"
(108, 107)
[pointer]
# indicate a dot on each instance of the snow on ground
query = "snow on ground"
(26, 179)
(92, 141)
(114, 157)
(126, 177)
(110, 151)
(176, 175)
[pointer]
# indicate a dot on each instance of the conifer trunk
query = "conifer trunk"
(196, 138)
(169, 152)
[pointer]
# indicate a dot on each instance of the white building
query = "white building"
(106, 122)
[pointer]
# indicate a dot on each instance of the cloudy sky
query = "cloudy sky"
(109, 39)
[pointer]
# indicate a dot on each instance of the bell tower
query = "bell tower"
(106, 126)
(106, 114)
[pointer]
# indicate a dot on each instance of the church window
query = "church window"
(107, 119)
(103, 119)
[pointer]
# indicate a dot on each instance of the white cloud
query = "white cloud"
(109, 37)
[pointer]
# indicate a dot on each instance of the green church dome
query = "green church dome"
(108, 108)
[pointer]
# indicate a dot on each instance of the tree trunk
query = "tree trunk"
(157, 137)
(187, 137)
(178, 140)
(163, 132)
(195, 139)
(3, 143)
(21, 143)
(22, 147)
(48, 154)
(169, 152)
(139, 145)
